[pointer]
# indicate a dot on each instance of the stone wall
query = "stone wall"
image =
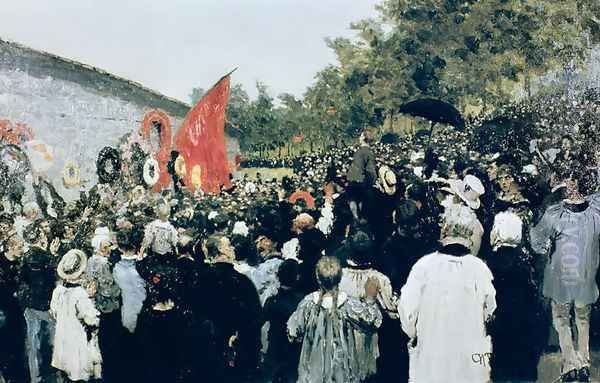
(74, 109)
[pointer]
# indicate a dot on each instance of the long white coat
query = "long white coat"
(443, 309)
(73, 353)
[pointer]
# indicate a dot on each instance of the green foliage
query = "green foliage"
(196, 95)
(466, 52)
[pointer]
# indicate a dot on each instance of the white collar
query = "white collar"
(327, 301)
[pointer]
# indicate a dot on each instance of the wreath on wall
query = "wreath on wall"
(108, 165)
(151, 172)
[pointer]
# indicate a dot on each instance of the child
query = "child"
(76, 350)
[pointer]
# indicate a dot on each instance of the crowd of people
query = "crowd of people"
(373, 263)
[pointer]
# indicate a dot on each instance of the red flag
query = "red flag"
(201, 141)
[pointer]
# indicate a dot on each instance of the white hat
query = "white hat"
(530, 169)
(469, 190)
(72, 265)
(240, 228)
(387, 180)
(101, 234)
(417, 157)
(250, 188)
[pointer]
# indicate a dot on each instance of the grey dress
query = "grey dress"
(328, 336)
(108, 293)
(570, 274)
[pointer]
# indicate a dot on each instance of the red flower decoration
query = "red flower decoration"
(156, 279)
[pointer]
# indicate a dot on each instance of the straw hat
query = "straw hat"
(72, 265)
(387, 180)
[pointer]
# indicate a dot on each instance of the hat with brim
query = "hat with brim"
(469, 190)
(72, 265)
(387, 179)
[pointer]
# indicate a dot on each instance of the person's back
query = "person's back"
(277, 311)
(234, 308)
(325, 321)
(441, 288)
(38, 279)
(362, 170)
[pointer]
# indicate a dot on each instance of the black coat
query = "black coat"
(38, 279)
(234, 308)
(12, 326)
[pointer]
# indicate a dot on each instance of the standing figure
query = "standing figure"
(356, 272)
(361, 176)
(107, 299)
(234, 308)
(325, 322)
(520, 312)
(444, 305)
(571, 229)
(282, 356)
(76, 350)
(160, 236)
(133, 295)
(37, 280)
(12, 323)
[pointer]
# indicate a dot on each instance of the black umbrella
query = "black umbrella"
(436, 111)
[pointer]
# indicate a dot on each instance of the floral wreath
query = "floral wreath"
(151, 172)
(108, 154)
(303, 195)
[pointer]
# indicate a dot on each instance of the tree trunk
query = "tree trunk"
(528, 85)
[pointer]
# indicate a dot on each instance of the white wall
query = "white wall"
(76, 122)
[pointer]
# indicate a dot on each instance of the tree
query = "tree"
(196, 95)
(466, 52)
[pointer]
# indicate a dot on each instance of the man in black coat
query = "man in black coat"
(361, 176)
(235, 311)
(38, 279)
(12, 323)
(282, 355)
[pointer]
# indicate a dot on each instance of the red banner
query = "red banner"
(201, 141)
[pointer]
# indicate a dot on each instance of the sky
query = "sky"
(172, 46)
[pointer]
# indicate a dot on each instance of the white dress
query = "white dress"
(443, 309)
(73, 353)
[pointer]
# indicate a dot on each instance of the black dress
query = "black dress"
(199, 344)
(12, 327)
(282, 355)
(520, 325)
(162, 332)
(235, 310)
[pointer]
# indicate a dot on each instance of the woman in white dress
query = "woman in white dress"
(76, 350)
